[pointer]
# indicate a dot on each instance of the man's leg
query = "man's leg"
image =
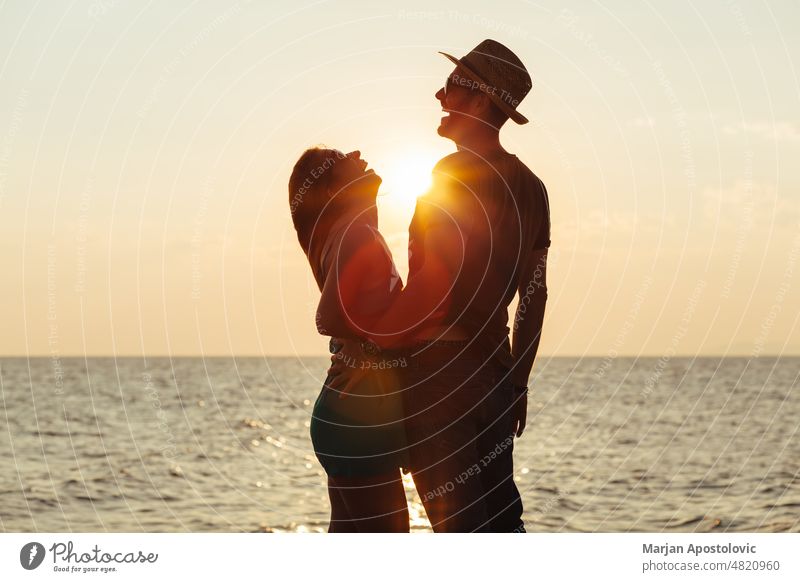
(496, 445)
(446, 475)
(444, 412)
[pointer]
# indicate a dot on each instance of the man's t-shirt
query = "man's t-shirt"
(500, 211)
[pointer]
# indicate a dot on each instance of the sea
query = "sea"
(222, 445)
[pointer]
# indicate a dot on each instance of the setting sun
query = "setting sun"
(408, 177)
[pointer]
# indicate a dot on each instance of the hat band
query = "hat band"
(492, 90)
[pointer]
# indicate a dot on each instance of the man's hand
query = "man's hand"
(519, 410)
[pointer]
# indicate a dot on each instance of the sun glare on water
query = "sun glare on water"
(418, 520)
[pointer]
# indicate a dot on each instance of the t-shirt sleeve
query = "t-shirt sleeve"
(542, 238)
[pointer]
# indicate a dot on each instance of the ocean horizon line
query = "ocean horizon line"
(708, 356)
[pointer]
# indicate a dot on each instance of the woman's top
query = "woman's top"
(355, 272)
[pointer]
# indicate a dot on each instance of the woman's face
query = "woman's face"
(352, 178)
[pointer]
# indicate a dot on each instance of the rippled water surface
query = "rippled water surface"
(222, 445)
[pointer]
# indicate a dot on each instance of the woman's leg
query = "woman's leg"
(375, 503)
(340, 517)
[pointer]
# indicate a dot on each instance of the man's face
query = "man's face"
(456, 98)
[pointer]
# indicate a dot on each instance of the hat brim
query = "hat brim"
(512, 113)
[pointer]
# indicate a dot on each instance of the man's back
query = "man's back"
(500, 212)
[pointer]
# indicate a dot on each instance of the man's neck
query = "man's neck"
(483, 143)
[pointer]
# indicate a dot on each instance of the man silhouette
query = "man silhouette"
(485, 227)
(477, 238)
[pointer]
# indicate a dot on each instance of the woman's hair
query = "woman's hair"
(308, 186)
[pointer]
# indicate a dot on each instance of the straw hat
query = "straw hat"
(498, 72)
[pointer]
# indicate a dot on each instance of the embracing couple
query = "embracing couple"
(425, 377)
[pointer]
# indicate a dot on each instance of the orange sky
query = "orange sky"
(145, 150)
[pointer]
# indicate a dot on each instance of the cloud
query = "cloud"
(612, 225)
(642, 122)
(745, 206)
(779, 131)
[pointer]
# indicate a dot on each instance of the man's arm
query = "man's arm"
(424, 298)
(527, 330)
(422, 301)
(444, 216)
